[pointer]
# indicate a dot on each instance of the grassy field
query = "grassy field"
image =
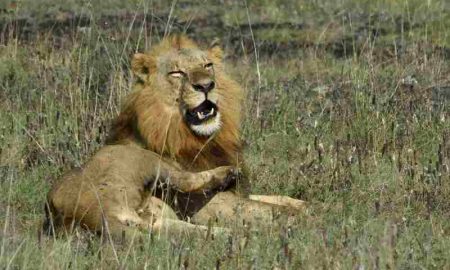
(348, 106)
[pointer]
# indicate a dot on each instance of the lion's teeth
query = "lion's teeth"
(200, 115)
(203, 115)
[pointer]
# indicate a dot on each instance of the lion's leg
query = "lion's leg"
(155, 216)
(130, 224)
(280, 200)
(229, 208)
(172, 227)
(138, 167)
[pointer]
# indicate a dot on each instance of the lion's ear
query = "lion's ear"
(215, 50)
(141, 64)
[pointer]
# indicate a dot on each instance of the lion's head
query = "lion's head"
(185, 77)
(184, 105)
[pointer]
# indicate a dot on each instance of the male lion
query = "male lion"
(174, 153)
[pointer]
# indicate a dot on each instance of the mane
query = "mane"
(146, 120)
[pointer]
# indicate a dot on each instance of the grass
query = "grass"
(353, 99)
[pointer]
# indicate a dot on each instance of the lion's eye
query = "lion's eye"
(209, 65)
(177, 74)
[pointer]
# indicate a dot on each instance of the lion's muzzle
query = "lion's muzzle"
(204, 87)
(200, 100)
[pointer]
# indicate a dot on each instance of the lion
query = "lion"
(173, 162)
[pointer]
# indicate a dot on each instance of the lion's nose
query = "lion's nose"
(204, 87)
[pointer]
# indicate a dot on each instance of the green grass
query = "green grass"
(330, 121)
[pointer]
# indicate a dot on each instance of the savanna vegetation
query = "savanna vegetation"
(347, 107)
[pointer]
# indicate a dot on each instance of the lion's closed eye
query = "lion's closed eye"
(177, 74)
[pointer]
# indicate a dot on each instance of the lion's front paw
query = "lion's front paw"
(232, 178)
(223, 178)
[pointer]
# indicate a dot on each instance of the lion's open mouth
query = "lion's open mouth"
(202, 113)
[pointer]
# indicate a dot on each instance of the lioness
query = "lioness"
(174, 153)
